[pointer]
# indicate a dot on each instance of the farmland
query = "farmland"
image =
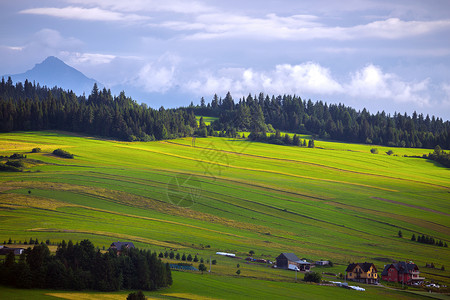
(336, 201)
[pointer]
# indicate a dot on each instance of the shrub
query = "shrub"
(390, 152)
(312, 277)
(136, 296)
(214, 262)
(62, 153)
(17, 156)
(374, 151)
(8, 168)
(36, 150)
(15, 163)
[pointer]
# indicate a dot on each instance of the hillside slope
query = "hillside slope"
(337, 201)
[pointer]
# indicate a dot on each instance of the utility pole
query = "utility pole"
(296, 275)
(210, 264)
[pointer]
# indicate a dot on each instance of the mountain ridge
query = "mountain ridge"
(52, 71)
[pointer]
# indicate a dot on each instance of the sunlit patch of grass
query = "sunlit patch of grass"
(88, 296)
(187, 296)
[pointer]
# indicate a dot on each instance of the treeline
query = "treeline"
(32, 107)
(80, 266)
(335, 121)
(440, 156)
(425, 239)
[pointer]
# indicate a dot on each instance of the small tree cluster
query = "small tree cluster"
(425, 239)
(172, 255)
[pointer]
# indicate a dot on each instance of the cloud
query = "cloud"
(296, 28)
(52, 39)
(80, 13)
(372, 83)
(77, 58)
(395, 28)
(367, 84)
(176, 6)
(158, 76)
(290, 79)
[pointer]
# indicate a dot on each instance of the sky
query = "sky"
(380, 55)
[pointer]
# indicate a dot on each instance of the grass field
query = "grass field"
(337, 201)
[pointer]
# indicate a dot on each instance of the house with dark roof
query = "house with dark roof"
(286, 259)
(121, 246)
(404, 272)
(362, 272)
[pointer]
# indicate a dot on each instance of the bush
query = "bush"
(8, 168)
(36, 150)
(15, 163)
(374, 151)
(17, 156)
(62, 153)
(312, 277)
(136, 296)
(214, 262)
(390, 152)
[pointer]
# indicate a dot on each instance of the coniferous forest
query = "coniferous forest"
(80, 266)
(328, 121)
(31, 107)
(28, 106)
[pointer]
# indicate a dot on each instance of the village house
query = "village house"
(286, 259)
(120, 246)
(362, 272)
(404, 272)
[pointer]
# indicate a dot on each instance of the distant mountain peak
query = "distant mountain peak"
(52, 71)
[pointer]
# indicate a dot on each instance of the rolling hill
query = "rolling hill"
(336, 201)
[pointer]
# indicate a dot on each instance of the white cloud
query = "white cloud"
(80, 13)
(176, 6)
(157, 76)
(369, 83)
(290, 79)
(372, 83)
(395, 28)
(77, 58)
(52, 39)
(296, 27)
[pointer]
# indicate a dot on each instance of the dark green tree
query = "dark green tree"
(202, 267)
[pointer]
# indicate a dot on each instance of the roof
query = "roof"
(290, 256)
(402, 267)
(350, 267)
(120, 245)
(385, 271)
(364, 266)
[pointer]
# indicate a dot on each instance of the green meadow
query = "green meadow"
(337, 202)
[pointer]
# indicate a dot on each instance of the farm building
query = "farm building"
(322, 263)
(6, 250)
(362, 272)
(120, 246)
(405, 272)
(286, 259)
